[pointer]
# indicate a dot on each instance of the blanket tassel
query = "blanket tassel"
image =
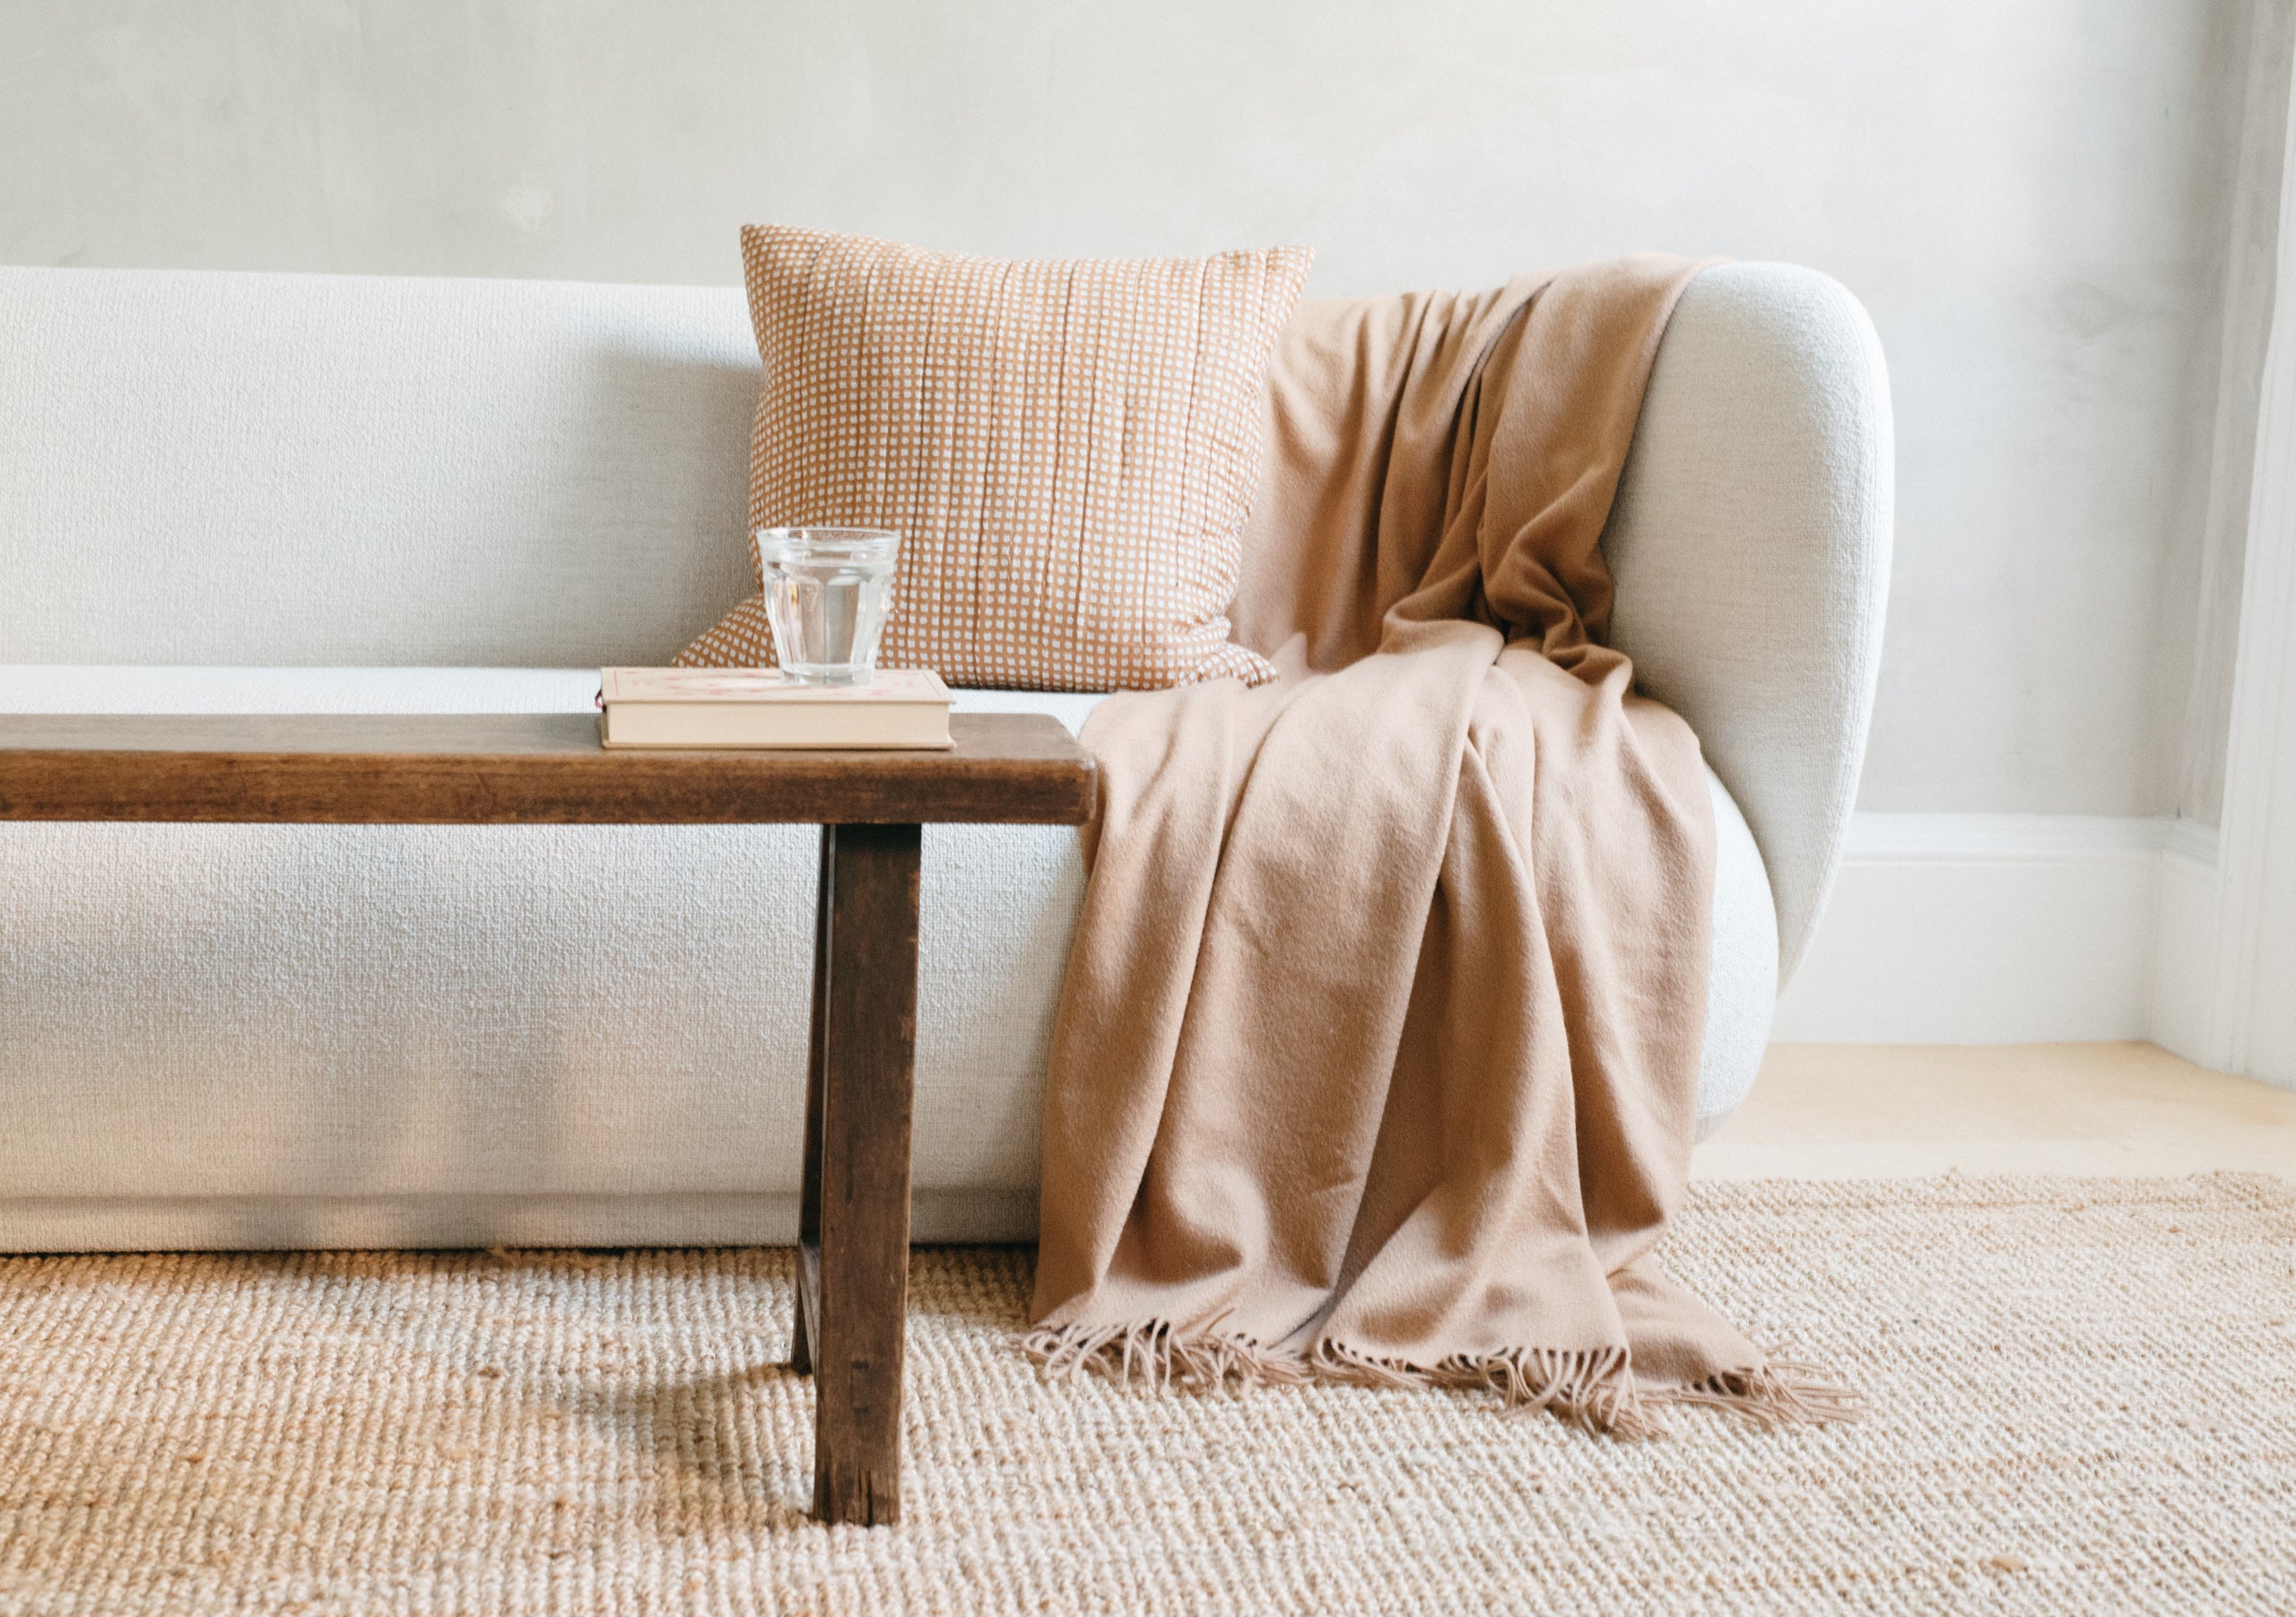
(1594, 1389)
(1591, 1390)
(1152, 1356)
(1778, 1393)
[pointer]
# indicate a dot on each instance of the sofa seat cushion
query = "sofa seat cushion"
(228, 1034)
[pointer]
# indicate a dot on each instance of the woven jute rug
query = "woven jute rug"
(2084, 1399)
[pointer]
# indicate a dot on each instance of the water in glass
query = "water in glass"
(826, 592)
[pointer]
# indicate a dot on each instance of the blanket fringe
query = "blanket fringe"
(1779, 1392)
(1154, 1356)
(1591, 1388)
(1594, 1389)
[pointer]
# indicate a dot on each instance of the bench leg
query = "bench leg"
(853, 1230)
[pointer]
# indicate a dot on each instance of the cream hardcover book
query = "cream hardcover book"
(762, 707)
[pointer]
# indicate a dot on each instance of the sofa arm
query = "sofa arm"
(1751, 547)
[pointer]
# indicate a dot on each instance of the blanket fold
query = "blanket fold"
(1377, 1057)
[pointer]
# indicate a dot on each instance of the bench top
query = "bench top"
(520, 768)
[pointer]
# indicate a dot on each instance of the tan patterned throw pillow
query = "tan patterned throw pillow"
(1067, 447)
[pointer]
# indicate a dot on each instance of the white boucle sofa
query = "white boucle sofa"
(297, 493)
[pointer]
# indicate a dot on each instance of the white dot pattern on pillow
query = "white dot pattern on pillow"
(1068, 448)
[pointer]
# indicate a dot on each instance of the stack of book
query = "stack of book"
(763, 708)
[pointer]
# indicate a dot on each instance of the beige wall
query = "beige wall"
(2033, 197)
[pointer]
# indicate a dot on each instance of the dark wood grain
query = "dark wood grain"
(515, 768)
(857, 1200)
(807, 1323)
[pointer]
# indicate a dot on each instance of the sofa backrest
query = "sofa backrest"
(304, 470)
(255, 469)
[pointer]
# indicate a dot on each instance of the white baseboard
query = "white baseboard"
(1992, 929)
(2184, 975)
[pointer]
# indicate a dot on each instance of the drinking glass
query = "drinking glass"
(826, 592)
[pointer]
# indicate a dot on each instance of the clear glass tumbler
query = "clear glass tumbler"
(826, 592)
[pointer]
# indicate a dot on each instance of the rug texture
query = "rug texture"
(2083, 1400)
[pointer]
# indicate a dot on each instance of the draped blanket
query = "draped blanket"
(1377, 1055)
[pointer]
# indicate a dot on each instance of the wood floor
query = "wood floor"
(1870, 1111)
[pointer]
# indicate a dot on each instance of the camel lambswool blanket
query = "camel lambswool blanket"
(1377, 1055)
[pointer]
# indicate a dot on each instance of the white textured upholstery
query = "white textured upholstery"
(335, 470)
(296, 1035)
(285, 1036)
(1750, 544)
